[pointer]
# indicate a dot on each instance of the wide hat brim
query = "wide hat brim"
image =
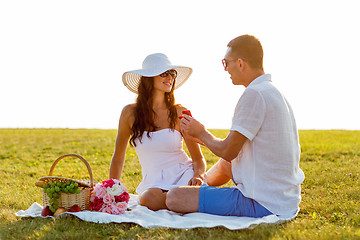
(154, 65)
(131, 79)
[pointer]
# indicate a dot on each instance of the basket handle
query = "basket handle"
(73, 155)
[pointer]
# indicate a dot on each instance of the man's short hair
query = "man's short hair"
(248, 48)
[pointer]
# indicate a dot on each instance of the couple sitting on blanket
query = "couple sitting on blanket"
(260, 154)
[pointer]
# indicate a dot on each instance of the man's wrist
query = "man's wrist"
(203, 136)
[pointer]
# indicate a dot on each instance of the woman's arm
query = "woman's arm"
(124, 132)
(199, 163)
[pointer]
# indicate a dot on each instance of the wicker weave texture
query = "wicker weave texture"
(67, 200)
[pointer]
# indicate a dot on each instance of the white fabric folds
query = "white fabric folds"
(162, 218)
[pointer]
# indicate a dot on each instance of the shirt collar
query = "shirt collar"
(263, 78)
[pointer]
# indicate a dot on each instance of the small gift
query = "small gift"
(111, 196)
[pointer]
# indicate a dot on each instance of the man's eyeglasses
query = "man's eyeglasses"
(226, 62)
(173, 74)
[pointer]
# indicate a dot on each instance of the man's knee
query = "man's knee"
(183, 199)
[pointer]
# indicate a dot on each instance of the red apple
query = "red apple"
(58, 211)
(46, 212)
(75, 208)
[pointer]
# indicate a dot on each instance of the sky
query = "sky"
(61, 62)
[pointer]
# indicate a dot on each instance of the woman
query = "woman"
(152, 124)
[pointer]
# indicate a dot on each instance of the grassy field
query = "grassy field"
(330, 207)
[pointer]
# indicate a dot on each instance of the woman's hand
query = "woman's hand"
(196, 180)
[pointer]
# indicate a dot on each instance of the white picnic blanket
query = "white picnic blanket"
(162, 218)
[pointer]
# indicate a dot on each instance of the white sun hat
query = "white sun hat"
(154, 65)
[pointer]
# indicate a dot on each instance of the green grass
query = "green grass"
(330, 206)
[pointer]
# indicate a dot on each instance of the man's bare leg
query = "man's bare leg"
(183, 199)
(186, 199)
(219, 174)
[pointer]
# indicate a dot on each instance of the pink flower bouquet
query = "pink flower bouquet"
(110, 197)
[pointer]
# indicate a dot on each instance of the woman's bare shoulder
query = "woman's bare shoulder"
(129, 107)
(180, 108)
(128, 111)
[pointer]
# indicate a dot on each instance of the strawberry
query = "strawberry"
(187, 112)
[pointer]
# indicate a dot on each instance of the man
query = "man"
(261, 152)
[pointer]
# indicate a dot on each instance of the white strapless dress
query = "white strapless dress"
(163, 161)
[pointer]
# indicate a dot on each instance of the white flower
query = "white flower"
(115, 190)
(123, 187)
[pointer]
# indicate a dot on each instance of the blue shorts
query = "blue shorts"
(229, 202)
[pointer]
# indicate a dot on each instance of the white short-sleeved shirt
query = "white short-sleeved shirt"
(267, 168)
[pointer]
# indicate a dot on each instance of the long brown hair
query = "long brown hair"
(144, 113)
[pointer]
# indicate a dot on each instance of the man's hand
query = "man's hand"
(196, 140)
(189, 126)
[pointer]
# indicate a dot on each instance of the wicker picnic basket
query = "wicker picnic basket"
(67, 200)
